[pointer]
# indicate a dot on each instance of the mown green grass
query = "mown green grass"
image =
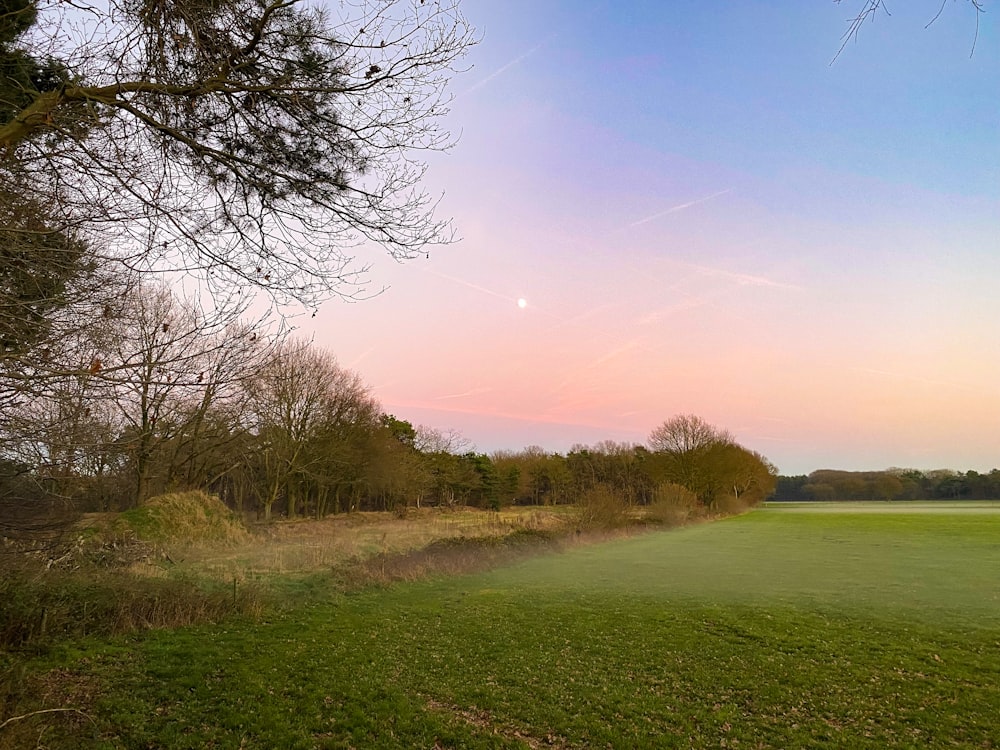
(774, 629)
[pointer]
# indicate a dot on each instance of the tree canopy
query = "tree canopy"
(706, 460)
(249, 142)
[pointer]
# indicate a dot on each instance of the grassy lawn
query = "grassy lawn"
(779, 628)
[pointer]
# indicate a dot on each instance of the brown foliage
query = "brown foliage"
(601, 507)
(673, 505)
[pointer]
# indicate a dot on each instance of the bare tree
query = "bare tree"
(708, 461)
(685, 433)
(306, 412)
(433, 440)
(871, 8)
(210, 426)
(54, 289)
(167, 365)
(248, 142)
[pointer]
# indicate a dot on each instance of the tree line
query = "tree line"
(154, 395)
(891, 484)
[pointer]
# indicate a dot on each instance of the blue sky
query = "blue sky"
(708, 217)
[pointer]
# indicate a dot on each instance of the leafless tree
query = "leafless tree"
(708, 461)
(433, 440)
(305, 412)
(681, 446)
(686, 433)
(147, 399)
(248, 142)
(168, 365)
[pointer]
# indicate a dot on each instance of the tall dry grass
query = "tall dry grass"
(446, 557)
(301, 547)
(183, 518)
(184, 558)
(37, 609)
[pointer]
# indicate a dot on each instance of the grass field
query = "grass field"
(784, 627)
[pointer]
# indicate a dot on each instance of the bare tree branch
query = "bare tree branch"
(251, 143)
(871, 8)
(28, 715)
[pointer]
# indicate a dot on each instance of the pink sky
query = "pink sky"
(705, 217)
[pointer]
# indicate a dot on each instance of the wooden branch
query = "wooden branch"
(45, 711)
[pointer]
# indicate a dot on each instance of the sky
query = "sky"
(705, 216)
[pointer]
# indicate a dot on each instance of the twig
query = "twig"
(45, 711)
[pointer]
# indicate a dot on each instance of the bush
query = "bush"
(673, 505)
(603, 508)
(730, 505)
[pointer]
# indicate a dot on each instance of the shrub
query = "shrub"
(673, 505)
(730, 505)
(603, 508)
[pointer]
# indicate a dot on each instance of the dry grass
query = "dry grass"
(448, 557)
(307, 546)
(461, 555)
(162, 530)
(118, 575)
(183, 559)
(39, 608)
(183, 518)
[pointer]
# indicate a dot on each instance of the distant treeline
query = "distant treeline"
(891, 484)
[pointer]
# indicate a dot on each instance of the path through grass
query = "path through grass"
(774, 629)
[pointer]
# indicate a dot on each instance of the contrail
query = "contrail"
(466, 394)
(743, 279)
(469, 284)
(357, 360)
(503, 69)
(484, 290)
(545, 40)
(675, 209)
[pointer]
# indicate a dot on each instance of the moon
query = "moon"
(522, 302)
